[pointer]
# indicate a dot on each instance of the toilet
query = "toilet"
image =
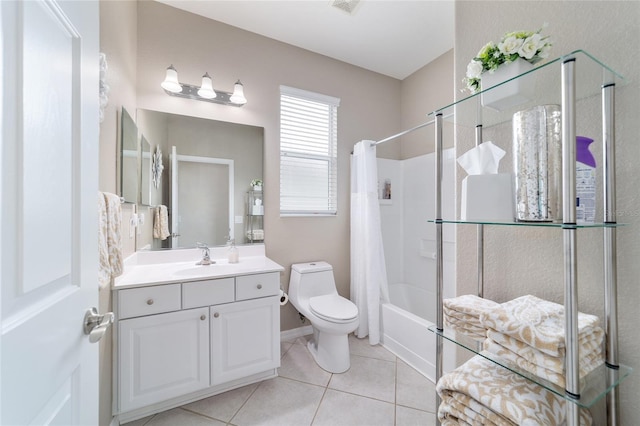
(312, 291)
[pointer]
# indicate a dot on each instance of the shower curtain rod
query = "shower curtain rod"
(419, 126)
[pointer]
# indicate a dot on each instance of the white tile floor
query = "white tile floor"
(379, 389)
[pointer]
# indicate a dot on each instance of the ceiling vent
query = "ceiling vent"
(348, 6)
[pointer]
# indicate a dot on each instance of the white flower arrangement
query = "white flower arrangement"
(530, 46)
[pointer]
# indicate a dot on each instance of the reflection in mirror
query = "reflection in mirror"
(128, 158)
(190, 225)
(210, 186)
(145, 171)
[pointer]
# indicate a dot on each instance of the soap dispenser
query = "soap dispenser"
(233, 255)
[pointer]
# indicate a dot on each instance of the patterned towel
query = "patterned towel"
(536, 322)
(476, 333)
(480, 392)
(110, 262)
(462, 314)
(590, 349)
(469, 304)
(161, 223)
(588, 363)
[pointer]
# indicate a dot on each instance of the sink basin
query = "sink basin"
(205, 270)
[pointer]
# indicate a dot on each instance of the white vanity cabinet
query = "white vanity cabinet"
(179, 342)
(245, 338)
(163, 356)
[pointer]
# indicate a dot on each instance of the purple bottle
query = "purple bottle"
(585, 181)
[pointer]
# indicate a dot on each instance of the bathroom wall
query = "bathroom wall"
(530, 260)
(370, 108)
(422, 92)
(409, 239)
(118, 23)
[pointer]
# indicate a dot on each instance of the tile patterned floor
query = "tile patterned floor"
(378, 389)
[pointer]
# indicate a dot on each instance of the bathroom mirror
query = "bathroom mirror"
(128, 158)
(208, 145)
(145, 171)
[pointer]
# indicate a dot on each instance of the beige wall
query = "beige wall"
(369, 108)
(427, 89)
(530, 260)
(118, 41)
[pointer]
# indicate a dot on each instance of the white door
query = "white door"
(48, 244)
(175, 215)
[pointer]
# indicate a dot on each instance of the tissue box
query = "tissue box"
(488, 198)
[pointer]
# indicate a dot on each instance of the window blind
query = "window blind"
(308, 153)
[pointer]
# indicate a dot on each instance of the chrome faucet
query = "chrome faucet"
(206, 259)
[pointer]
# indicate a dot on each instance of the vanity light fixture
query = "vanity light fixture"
(205, 92)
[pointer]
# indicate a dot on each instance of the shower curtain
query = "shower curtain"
(369, 286)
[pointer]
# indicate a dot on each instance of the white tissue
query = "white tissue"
(482, 160)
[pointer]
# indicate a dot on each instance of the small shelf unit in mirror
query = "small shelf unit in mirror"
(578, 82)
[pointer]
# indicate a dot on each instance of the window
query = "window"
(308, 153)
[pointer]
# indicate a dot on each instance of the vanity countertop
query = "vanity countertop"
(142, 269)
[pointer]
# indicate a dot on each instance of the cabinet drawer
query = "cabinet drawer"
(209, 292)
(148, 300)
(259, 285)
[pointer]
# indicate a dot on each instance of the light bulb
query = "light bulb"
(238, 94)
(170, 82)
(206, 89)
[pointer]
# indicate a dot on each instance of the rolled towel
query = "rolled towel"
(536, 322)
(508, 398)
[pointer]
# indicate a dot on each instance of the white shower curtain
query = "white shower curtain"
(369, 286)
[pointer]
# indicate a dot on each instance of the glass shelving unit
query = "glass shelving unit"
(593, 386)
(576, 81)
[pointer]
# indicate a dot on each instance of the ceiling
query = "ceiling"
(391, 37)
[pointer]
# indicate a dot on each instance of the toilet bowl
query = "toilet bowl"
(312, 291)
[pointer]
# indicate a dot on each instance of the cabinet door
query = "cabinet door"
(245, 338)
(163, 356)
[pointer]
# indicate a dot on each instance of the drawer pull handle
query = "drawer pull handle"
(150, 302)
(216, 315)
(259, 286)
(203, 317)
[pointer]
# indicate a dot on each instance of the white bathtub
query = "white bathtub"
(404, 326)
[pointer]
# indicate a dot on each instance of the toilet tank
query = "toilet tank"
(311, 279)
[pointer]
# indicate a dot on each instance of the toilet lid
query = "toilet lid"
(333, 307)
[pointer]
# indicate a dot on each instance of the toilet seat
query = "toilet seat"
(333, 308)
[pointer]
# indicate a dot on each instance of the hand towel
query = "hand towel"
(547, 370)
(469, 304)
(161, 223)
(109, 238)
(462, 327)
(104, 269)
(536, 322)
(588, 346)
(480, 391)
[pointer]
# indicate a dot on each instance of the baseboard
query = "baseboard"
(114, 421)
(295, 333)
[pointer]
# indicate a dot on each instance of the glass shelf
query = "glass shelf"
(559, 225)
(593, 386)
(591, 75)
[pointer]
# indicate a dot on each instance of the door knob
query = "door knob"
(95, 325)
